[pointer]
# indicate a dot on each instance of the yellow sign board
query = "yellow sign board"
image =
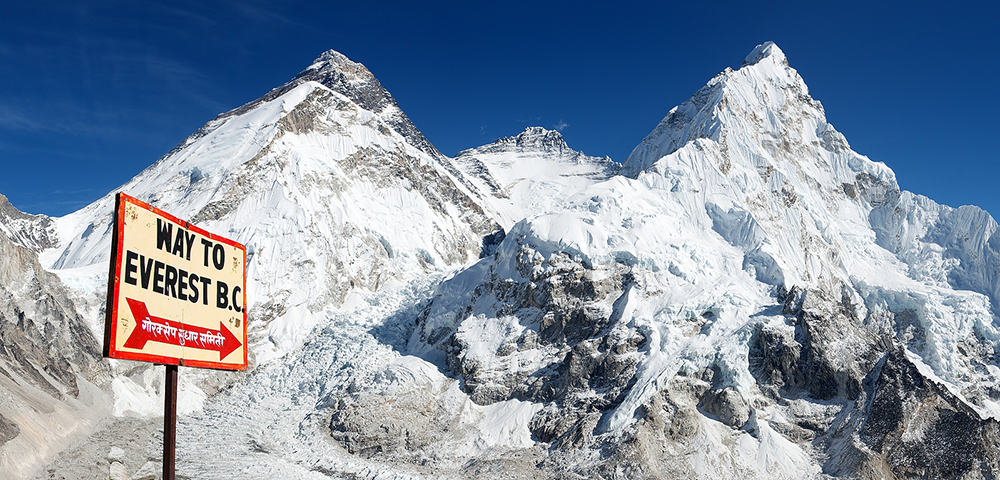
(176, 293)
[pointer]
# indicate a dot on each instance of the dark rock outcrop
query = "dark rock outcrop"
(921, 430)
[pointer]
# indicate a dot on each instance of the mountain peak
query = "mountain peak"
(352, 79)
(332, 61)
(766, 50)
(765, 84)
(331, 56)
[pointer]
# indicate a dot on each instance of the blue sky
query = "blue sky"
(93, 92)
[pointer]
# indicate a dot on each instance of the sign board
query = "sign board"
(176, 293)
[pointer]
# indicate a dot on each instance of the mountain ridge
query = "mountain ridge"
(744, 296)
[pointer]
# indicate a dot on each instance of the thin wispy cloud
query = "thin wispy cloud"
(66, 119)
(16, 121)
(184, 78)
(146, 90)
(184, 15)
(263, 12)
(560, 126)
(260, 13)
(74, 119)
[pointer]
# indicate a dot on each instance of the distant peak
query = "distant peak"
(532, 139)
(766, 50)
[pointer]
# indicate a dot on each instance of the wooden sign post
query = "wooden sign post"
(176, 296)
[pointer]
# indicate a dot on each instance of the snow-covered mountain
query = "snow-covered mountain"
(736, 292)
(50, 363)
(745, 296)
(328, 197)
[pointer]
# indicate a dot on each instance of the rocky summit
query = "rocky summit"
(744, 296)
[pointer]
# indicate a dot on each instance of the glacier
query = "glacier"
(744, 296)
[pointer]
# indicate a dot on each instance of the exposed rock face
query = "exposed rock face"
(44, 340)
(921, 430)
(729, 406)
(532, 139)
(49, 358)
(329, 199)
(387, 169)
(367, 427)
(557, 345)
(828, 353)
(8, 430)
(561, 314)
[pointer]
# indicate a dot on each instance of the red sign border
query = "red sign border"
(110, 322)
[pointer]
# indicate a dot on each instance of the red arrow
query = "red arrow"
(155, 329)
